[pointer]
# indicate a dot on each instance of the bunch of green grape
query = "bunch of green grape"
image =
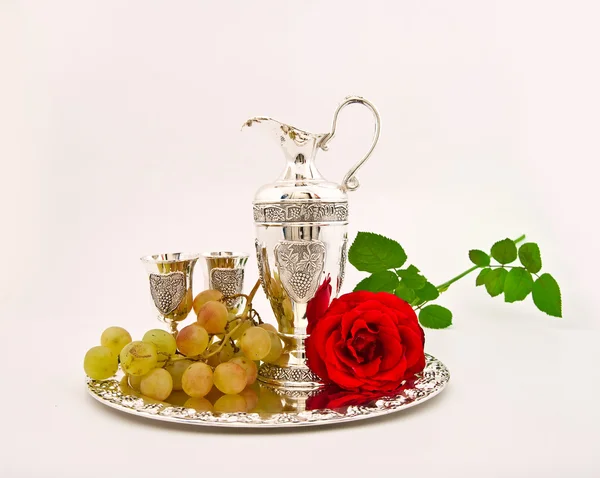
(216, 356)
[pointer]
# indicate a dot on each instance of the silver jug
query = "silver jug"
(301, 241)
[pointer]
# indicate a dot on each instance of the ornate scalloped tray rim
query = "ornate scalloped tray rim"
(429, 383)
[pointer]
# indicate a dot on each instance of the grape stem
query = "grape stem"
(224, 340)
(256, 316)
(248, 298)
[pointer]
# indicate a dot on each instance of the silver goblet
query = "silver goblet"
(170, 280)
(225, 272)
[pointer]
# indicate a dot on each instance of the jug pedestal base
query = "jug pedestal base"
(290, 377)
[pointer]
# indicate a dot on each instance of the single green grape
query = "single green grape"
(276, 349)
(115, 338)
(176, 369)
(157, 384)
(256, 343)
(230, 378)
(100, 363)
(134, 382)
(213, 317)
(204, 297)
(138, 358)
(192, 340)
(124, 386)
(197, 380)
(268, 327)
(249, 367)
(163, 341)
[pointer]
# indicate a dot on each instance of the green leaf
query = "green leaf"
(530, 257)
(375, 253)
(428, 292)
(494, 281)
(504, 251)
(517, 285)
(411, 277)
(405, 293)
(385, 281)
(482, 275)
(435, 317)
(546, 295)
(479, 258)
(409, 271)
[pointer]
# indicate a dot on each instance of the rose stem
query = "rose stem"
(443, 287)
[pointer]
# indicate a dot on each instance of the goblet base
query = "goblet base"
(290, 377)
(290, 371)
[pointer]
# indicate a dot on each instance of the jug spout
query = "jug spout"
(299, 148)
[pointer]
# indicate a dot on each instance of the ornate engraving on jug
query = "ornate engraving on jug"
(168, 290)
(259, 262)
(343, 260)
(301, 212)
(228, 281)
(300, 265)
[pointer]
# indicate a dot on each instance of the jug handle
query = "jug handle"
(350, 181)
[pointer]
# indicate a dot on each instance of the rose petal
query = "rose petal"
(413, 347)
(317, 306)
(372, 316)
(366, 322)
(314, 360)
(389, 338)
(364, 346)
(315, 345)
(337, 370)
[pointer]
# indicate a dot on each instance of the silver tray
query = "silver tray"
(298, 408)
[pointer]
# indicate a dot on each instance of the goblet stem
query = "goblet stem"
(173, 327)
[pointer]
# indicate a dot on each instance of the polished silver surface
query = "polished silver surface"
(301, 231)
(343, 260)
(167, 290)
(300, 265)
(287, 379)
(426, 385)
(259, 260)
(229, 281)
(170, 279)
(350, 181)
(224, 272)
(300, 211)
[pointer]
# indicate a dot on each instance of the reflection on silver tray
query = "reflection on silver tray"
(296, 411)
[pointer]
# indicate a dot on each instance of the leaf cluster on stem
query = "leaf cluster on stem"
(384, 259)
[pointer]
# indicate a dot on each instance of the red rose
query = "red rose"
(318, 305)
(366, 341)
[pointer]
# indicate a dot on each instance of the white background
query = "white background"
(120, 136)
